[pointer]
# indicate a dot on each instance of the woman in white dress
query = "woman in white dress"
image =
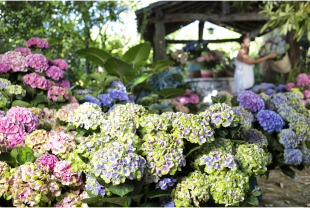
(244, 73)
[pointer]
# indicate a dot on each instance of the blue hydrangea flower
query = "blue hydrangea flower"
(269, 85)
(253, 136)
(221, 115)
(292, 156)
(91, 99)
(270, 121)
(106, 100)
(4, 83)
(305, 155)
(269, 91)
(287, 112)
(251, 101)
(217, 161)
(278, 99)
(118, 94)
(281, 88)
(93, 186)
(120, 86)
(288, 138)
(246, 118)
(83, 92)
(166, 201)
(163, 184)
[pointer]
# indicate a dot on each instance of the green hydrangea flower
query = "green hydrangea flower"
(154, 122)
(192, 190)
(3, 100)
(16, 90)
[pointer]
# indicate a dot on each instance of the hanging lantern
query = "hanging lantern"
(210, 30)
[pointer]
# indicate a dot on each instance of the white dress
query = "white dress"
(244, 76)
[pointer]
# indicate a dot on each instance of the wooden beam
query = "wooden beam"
(213, 17)
(200, 31)
(210, 41)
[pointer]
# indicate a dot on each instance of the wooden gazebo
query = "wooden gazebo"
(164, 17)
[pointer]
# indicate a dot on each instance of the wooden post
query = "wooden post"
(294, 51)
(160, 42)
(200, 32)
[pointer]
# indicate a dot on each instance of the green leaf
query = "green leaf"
(41, 99)
(222, 99)
(15, 151)
(91, 200)
(137, 198)
(122, 189)
(159, 66)
(150, 204)
(138, 55)
(6, 157)
(119, 68)
(193, 150)
(238, 141)
(90, 194)
(158, 193)
(20, 104)
(257, 192)
(289, 172)
(81, 132)
(37, 155)
(140, 80)
(24, 157)
(41, 106)
(94, 55)
(53, 41)
(96, 77)
(169, 93)
(252, 200)
(110, 79)
(61, 99)
(123, 201)
(234, 101)
(215, 99)
(84, 159)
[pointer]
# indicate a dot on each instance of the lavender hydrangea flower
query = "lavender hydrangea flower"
(120, 86)
(287, 112)
(267, 100)
(91, 99)
(106, 99)
(305, 156)
(253, 136)
(281, 88)
(163, 184)
(269, 91)
(222, 115)
(166, 201)
(292, 156)
(278, 99)
(270, 121)
(93, 186)
(4, 83)
(251, 101)
(217, 161)
(83, 92)
(269, 85)
(246, 118)
(118, 94)
(288, 138)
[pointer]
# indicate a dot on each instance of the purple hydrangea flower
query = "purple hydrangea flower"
(288, 138)
(269, 85)
(163, 184)
(292, 156)
(120, 86)
(118, 94)
(251, 101)
(305, 155)
(281, 88)
(246, 118)
(166, 201)
(83, 92)
(269, 91)
(270, 121)
(91, 99)
(253, 136)
(106, 100)
(93, 186)
(278, 99)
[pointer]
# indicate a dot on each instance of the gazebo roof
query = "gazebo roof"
(175, 14)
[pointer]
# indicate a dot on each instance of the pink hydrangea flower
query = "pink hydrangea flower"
(302, 80)
(36, 81)
(13, 130)
(37, 111)
(63, 83)
(304, 102)
(309, 87)
(65, 176)
(38, 42)
(289, 86)
(72, 199)
(55, 91)
(4, 145)
(180, 107)
(55, 73)
(184, 100)
(72, 99)
(38, 141)
(61, 143)
(4, 67)
(307, 94)
(25, 116)
(188, 92)
(63, 113)
(194, 98)
(200, 59)
(16, 60)
(38, 62)
(48, 160)
(61, 64)
(24, 51)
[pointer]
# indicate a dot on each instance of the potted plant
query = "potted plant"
(208, 62)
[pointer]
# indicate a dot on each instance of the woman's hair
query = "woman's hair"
(242, 38)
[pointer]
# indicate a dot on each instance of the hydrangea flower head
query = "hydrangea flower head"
(4, 169)
(307, 94)
(222, 115)
(37, 81)
(24, 51)
(38, 62)
(91, 99)
(61, 64)
(61, 143)
(24, 116)
(63, 83)
(154, 122)
(4, 67)
(87, 115)
(251, 101)
(72, 199)
(163, 184)
(251, 159)
(246, 118)
(279, 99)
(269, 91)
(288, 138)
(120, 86)
(30, 185)
(3, 100)
(55, 73)
(63, 113)
(270, 121)
(281, 88)
(292, 156)
(13, 130)
(48, 160)
(38, 141)
(253, 136)
(164, 155)
(302, 80)
(192, 189)
(4, 83)
(55, 91)
(287, 112)
(16, 90)
(93, 186)
(37, 42)
(63, 173)
(227, 95)
(83, 92)
(118, 94)
(16, 61)
(121, 162)
(305, 156)
(106, 100)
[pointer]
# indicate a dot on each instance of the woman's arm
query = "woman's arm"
(247, 59)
